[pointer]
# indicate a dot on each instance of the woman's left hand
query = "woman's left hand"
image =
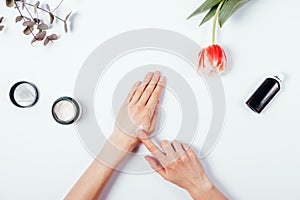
(140, 110)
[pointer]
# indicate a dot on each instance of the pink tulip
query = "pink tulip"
(212, 60)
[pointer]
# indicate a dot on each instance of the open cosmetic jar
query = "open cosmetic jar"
(66, 110)
(24, 94)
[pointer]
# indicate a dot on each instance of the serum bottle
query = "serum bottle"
(265, 93)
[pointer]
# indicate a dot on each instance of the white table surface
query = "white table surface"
(257, 157)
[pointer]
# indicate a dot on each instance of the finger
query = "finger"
(142, 87)
(150, 88)
(133, 90)
(185, 146)
(150, 145)
(168, 149)
(154, 119)
(178, 148)
(157, 92)
(188, 150)
(155, 108)
(155, 164)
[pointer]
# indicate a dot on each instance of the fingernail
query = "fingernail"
(148, 158)
(141, 134)
(149, 74)
(165, 142)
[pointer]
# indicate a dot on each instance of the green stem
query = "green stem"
(215, 21)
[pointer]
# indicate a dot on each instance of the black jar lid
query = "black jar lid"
(24, 94)
(66, 106)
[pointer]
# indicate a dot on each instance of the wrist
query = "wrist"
(119, 145)
(202, 189)
(209, 192)
(122, 140)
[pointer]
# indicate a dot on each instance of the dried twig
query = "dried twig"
(35, 25)
(58, 6)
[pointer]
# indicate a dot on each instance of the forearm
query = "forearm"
(92, 182)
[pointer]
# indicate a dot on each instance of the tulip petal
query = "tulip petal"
(212, 60)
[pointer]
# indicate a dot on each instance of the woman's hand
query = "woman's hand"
(179, 164)
(139, 111)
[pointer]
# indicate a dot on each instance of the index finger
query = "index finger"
(157, 92)
(150, 145)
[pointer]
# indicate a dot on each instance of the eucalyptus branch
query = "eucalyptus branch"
(1, 26)
(24, 19)
(33, 23)
(58, 5)
(28, 12)
(29, 4)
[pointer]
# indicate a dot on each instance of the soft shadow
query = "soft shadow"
(72, 20)
(209, 173)
(215, 181)
(230, 61)
(241, 13)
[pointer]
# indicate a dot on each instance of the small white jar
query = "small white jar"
(66, 110)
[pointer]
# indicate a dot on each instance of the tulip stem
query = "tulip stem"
(215, 22)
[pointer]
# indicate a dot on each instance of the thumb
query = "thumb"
(155, 164)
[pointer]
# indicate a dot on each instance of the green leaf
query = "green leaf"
(208, 4)
(209, 15)
(229, 7)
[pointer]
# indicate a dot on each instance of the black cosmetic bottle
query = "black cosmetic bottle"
(265, 93)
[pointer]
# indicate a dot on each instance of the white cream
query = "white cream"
(25, 95)
(65, 110)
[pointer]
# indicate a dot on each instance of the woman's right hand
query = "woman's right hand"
(179, 164)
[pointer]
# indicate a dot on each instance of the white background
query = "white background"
(257, 157)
